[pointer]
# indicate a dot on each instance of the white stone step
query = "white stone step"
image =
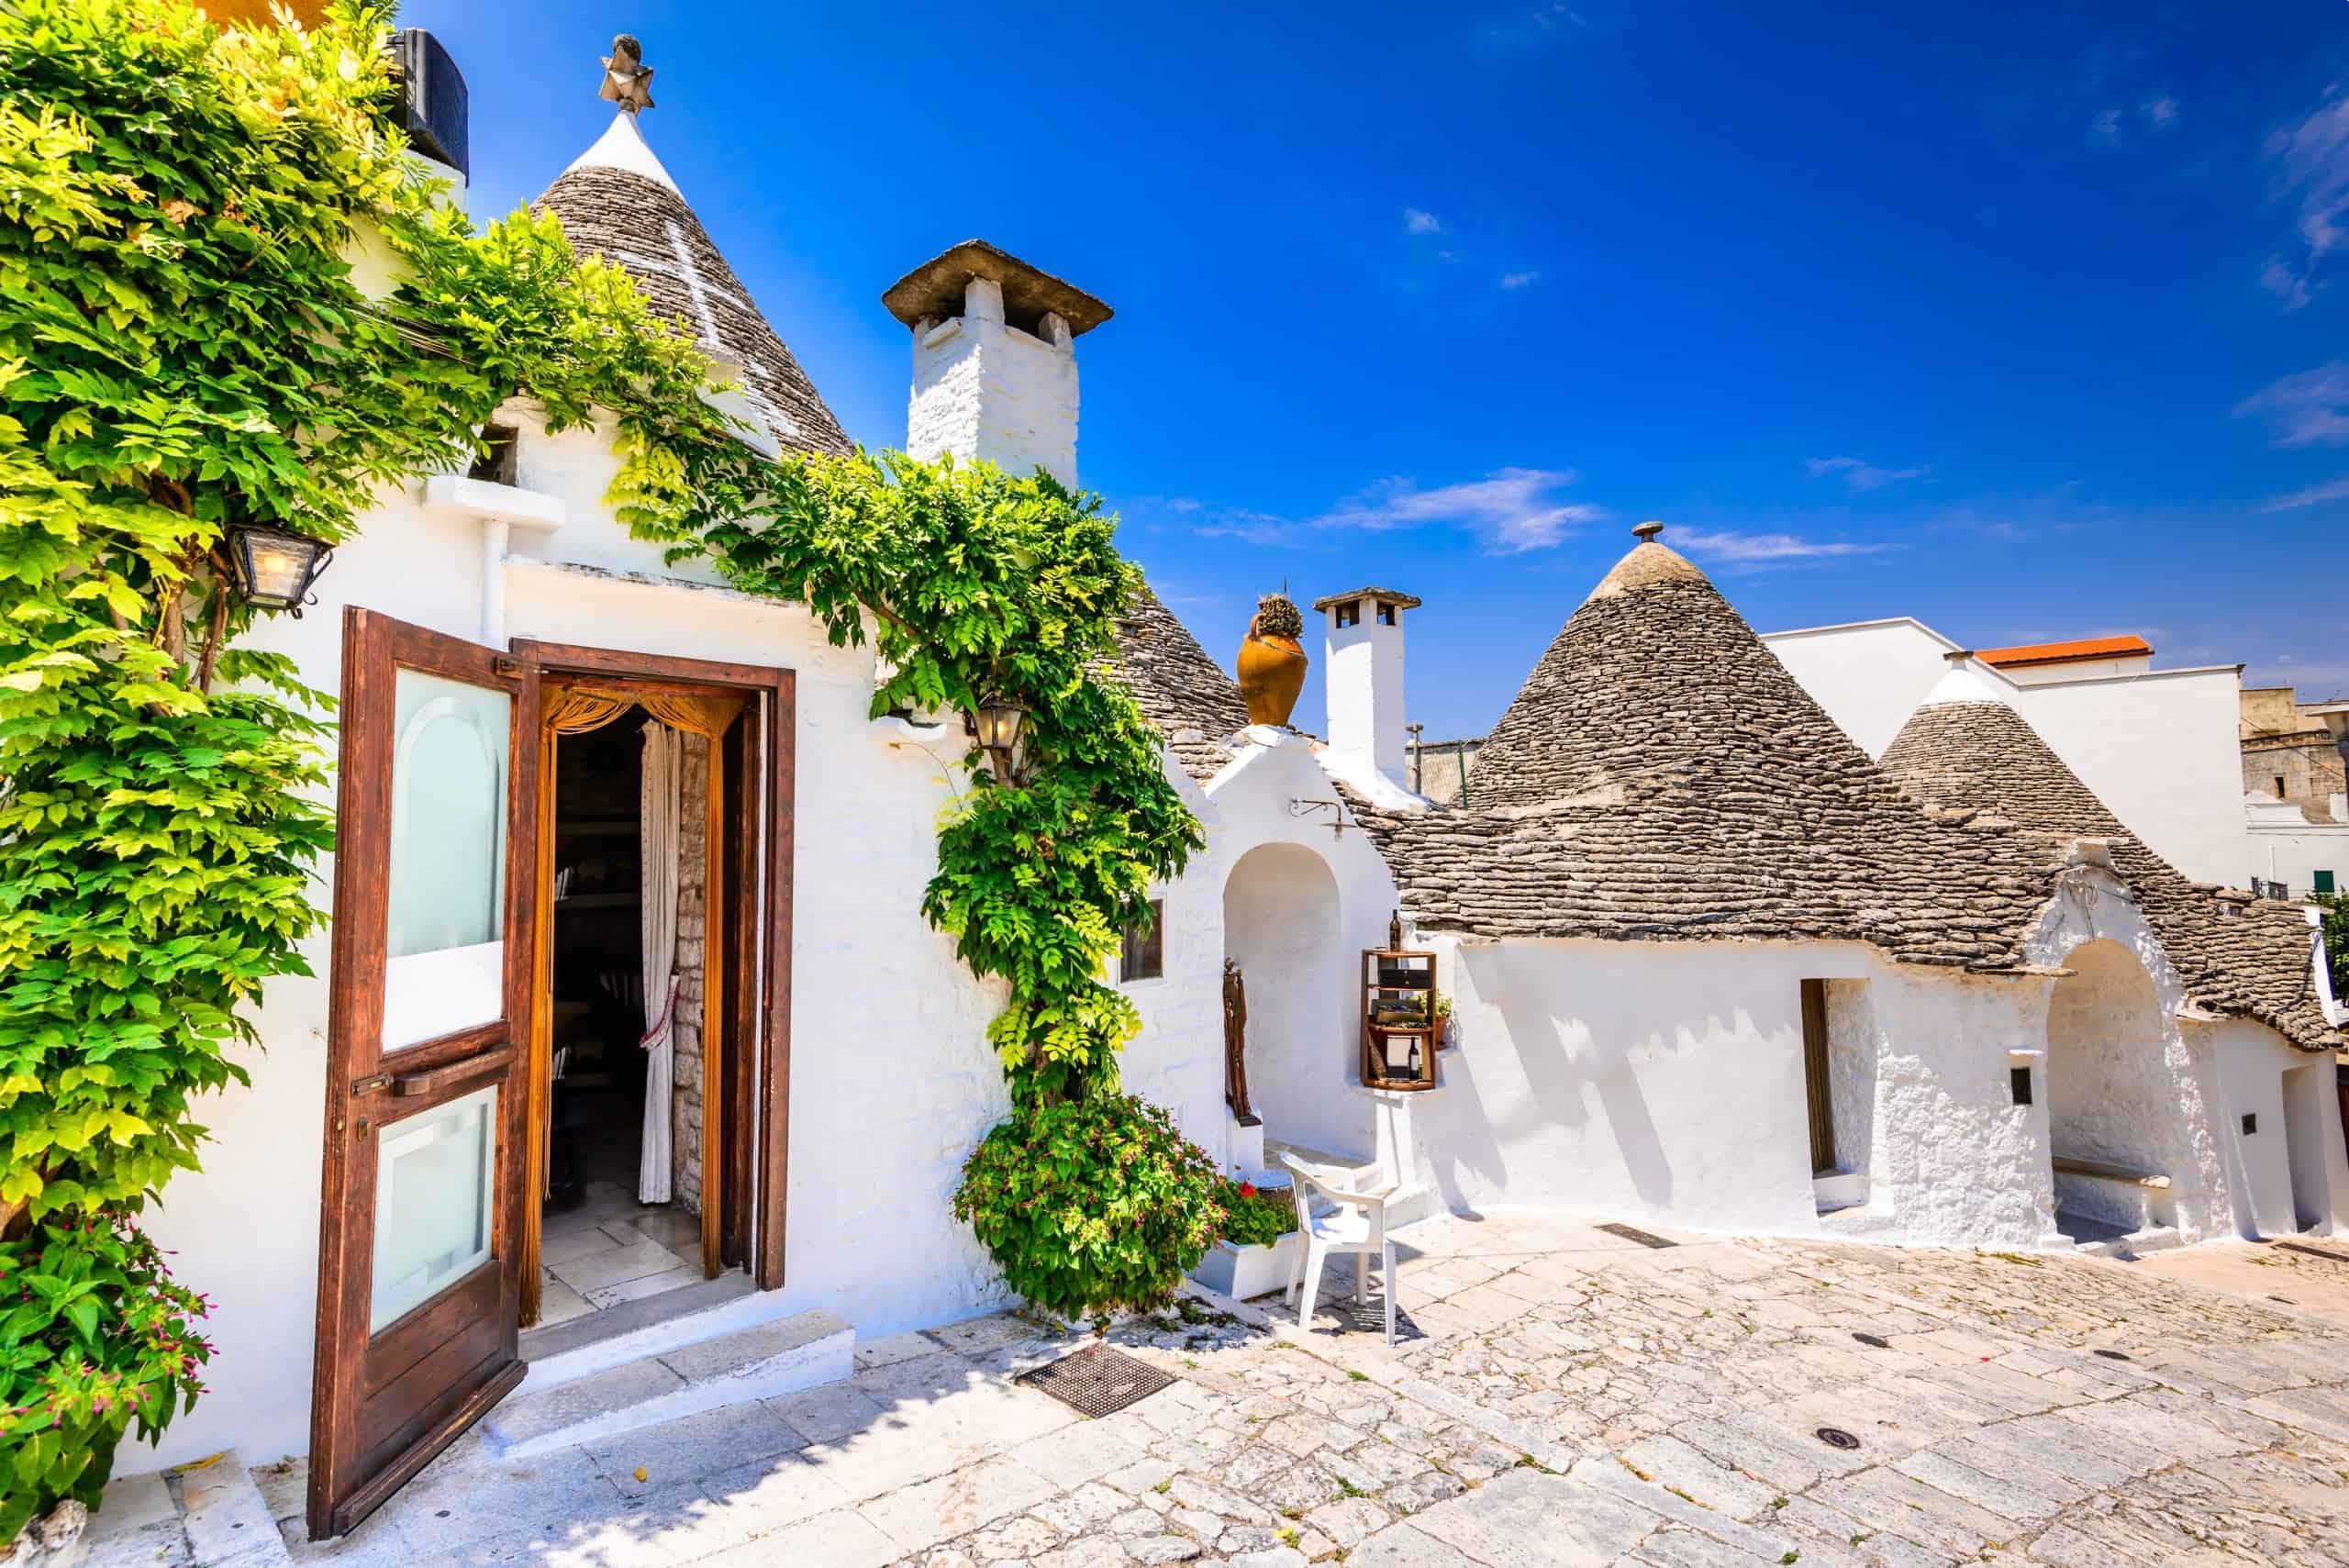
(779, 1357)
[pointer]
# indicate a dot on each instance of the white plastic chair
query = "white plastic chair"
(1357, 1225)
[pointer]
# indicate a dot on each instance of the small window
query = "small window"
(1385, 613)
(2020, 1079)
(2323, 880)
(1350, 613)
(2280, 786)
(2249, 1123)
(1142, 955)
(496, 462)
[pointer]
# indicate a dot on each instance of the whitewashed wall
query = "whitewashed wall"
(2158, 747)
(1869, 676)
(1950, 1158)
(2290, 1174)
(2161, 750)
(1305, 1020)
(1659, 1080)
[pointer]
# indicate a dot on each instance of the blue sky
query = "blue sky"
(2027, 321)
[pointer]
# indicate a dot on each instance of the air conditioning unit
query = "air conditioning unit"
(433, 93)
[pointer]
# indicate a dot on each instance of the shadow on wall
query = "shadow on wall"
(1567, 1060)
(1282, 925)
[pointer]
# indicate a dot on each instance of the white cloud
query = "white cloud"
(1861, 476)
(2310, 409)
(1512, 509)
(2160, 113)
(1416, 222)
(1756, 551)
(1515, 281)
(2104, 131)
(2314, 495)
(2310, 163)
(2286, 284)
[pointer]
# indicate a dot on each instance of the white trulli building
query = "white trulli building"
(645, 1085)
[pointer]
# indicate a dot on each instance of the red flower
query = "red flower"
(1247, 1189)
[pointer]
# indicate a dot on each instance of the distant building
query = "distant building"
(2296, 790)
(2297, 751)
(1439, 768)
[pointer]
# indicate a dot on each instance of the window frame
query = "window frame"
(1136, 948)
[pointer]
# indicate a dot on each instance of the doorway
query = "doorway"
(620, 1213)
(461, 1139)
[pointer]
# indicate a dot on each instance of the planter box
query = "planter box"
(1243, 1271)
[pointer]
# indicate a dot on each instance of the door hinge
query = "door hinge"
(373, 1084)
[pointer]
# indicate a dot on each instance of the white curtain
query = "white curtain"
(664, 755)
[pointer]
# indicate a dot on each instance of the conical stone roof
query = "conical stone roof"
(617, 202)
(1965, 749)
(1178, 686)
(1662, 776)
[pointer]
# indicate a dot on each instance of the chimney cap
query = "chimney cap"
(1957, 657)
(935, 288)
(1647, 532)
(1400, 601)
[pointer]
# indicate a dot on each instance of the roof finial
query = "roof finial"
(628, 81)
(1647, 531)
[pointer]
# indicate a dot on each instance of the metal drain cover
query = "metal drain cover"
(1879, 1341)
(1097, 1380)
(1633, 1233)
(1836, 1437)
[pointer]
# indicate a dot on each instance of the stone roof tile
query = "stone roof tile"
(2252, 958)
(644, 226)
(1661, 776)
(1180, 689)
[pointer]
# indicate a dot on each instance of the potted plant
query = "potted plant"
(1258, 1249)
(1443, 1021)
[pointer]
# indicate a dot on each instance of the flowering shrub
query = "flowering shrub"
(1091, 1205)
(94, 1335)
(1253, 1218)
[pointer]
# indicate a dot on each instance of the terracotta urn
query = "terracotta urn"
(1272, 665)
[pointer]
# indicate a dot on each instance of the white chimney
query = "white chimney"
(1361, 671)
(994, 359)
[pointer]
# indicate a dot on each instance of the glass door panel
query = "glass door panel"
(444, 938)
(436, 1193)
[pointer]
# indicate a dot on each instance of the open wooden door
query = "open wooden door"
(434, 920)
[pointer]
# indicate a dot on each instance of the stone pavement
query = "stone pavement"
(1560, 1397)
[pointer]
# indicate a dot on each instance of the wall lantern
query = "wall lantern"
(273, 568)
(997, 724)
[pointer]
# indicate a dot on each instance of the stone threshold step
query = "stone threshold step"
(779, 1357)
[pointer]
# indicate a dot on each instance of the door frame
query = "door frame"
(762, 1090)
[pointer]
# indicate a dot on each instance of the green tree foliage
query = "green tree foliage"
(184, 345)
(2337, 941)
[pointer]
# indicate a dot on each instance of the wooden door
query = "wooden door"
(1817, 1085)
(434, 920)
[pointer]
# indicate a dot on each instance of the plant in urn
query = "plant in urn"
(1271, 665)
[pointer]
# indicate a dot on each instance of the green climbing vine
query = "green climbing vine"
(184, 345)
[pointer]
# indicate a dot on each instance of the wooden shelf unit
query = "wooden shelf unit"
(1398, 1021)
